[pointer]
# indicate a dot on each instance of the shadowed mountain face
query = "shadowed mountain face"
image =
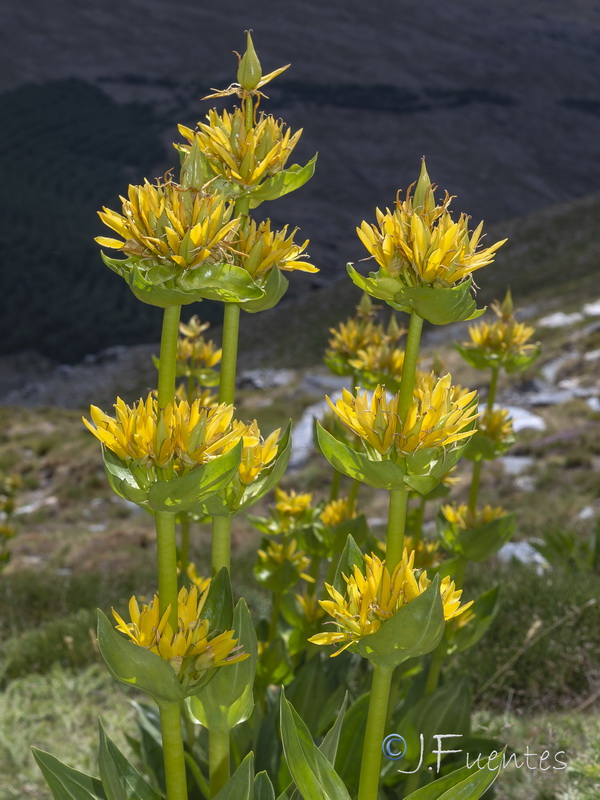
(502, 98)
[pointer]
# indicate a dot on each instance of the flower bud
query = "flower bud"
(249, 70)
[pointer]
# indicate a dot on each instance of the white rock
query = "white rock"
(525, 553)
(560, 320)
(589, 512)
(525, 420)
(592, 355)
(302, 434)
(593, 404)
(516, 465)
(592, 309)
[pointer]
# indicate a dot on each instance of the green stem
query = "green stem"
(335, 485)
(218, 760)
(168, 356)
(395, 527)
(184, 545)
(374, 733)
(493, 387)
(221, 543)
(433, 676)
(275, 609)
(475, 481)
(459, 572)
(172, 740)
(231, 323)
(167, 564)
(352, 495)
(418, 531)
(409, 367)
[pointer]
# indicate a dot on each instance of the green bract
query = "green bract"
(511, 362)
(481, 446)
(420, 471)
(479, 543)
(139, 485)
(439, 306)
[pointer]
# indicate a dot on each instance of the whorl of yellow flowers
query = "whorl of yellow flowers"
(379, 358)
(191, 650)
(276, 554)
(497, 424)
(240, 156)
(337, 511)
(185, 435)
(419, 243)
(292, 504)
(504, 337)
(361, 332)
(259, 249)
(465, 518)
(437, 417)
(375, 596)
(256, 453)
(193, 350)
(167, 223)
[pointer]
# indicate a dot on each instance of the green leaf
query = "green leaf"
(121, 479)
(462, 784)
(218, 606)
(351, 742)
(379, 474)
(67, 783)
(228, 699)
(477, 544)
(313, 774)
(284, 182)
(485, 608)
(274, 288)
(135, 665)
(308, 692)
(120, 779)
(226, 283)
(351, 556)
(263, 788)
(416, 629)
(331, 740)
(185, 492)
(241, 784)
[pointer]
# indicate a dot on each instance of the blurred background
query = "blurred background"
(502, 98)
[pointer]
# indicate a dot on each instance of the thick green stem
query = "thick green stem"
(231, 323)
(409, 367)
(493, 387)
(419, 515)
(374, 733)
(475, 481)
(352, 495)
(395, 527)
(218, 760)
(172, 739)
(184, 545)
(168, 356)
(221, 543)
(335, 485)
(167, 564)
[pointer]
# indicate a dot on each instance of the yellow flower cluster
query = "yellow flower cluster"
(374, 597)
(260, 249)
(436, 417)
(185, 435)
(191, 650)
(504, 337)
(242, 157)
(277, 554)
(193, 350)
(420, 244)
(379, 359)
(172, 225)
(497, 424)
(257, 454)
(362, 338)
(337, 511)
(465, 519)
(292, 504)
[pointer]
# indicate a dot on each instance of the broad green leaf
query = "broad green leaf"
(485, 608)
(351, 742)
(274, 288)
(121, 479)
(67, 783)
(228, 699)
(308, 692)
(185, 492)
(414, 630)
(241, 784)
(329, 745)
(442, 306)
(462, 784)
(313, 774)
(284, 182)
(218, 606)
(120, 779)
(135, 665)
(351, 556)
(263, 788)
(222, 282)
(477, 544)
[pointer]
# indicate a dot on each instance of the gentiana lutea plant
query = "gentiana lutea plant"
(390, 610)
